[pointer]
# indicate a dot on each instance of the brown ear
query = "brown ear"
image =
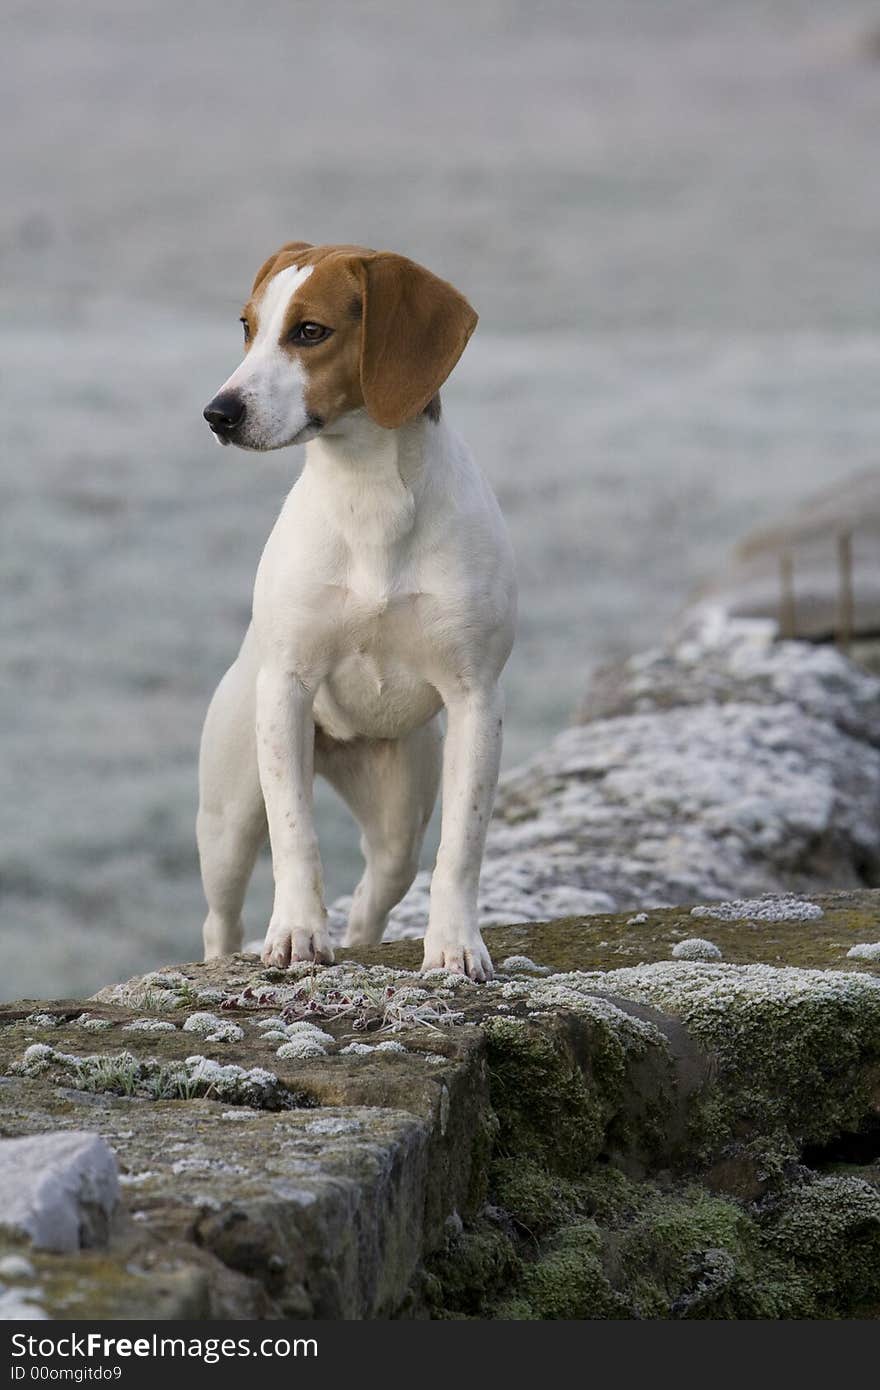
(415, 328)
(289, 248)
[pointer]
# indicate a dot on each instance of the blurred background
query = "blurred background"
(667, 216)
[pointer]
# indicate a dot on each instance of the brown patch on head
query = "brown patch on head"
(397, 330)
(332, 367)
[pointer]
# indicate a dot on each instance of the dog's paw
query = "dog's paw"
(285, 945)
(465, 957)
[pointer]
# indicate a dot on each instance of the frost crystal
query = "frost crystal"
(524, 964)
(769, 908)
(203, 1023)
(866, 950)
(695, 948)
(303, 1045)
(227, 1032)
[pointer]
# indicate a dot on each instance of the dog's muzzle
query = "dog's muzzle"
(225, 414)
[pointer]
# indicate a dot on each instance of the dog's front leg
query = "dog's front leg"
(471, 757)
(286, 753)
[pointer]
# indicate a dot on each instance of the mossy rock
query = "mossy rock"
(604, 1132)
(605, 941)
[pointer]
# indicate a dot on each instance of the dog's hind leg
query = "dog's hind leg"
(231, 823)
(390, 785)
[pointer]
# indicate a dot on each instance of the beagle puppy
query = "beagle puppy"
(384, 595)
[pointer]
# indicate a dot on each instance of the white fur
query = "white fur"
(269, 381)
(385, 592)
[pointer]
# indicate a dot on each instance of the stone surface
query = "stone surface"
(726, 766)
(602, 1132)
(58, 1190)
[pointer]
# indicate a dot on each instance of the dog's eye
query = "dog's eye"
(310, 333)
(247, 329)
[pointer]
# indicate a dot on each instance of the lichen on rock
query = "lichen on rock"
(695, 948)
(123, 1073)
(630, 1138)
(865, 950)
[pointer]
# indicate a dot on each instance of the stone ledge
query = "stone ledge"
(604, 1131)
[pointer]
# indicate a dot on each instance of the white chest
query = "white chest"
(385, 580)
(340, 591)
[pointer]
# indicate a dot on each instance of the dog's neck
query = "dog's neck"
(369, 479)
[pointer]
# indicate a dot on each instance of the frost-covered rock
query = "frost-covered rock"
(302, 1028)
(770, 907)
(727, 766)
(359, 1049)
(202, 1023)
(58, 1190)
(21, 1305)
(246, 1085)
(302, 1045)
(95, 1025)
(517, 965)
(125, 1074)
(226, 1032)
(522, 1149)
(695, 948)
(865, 950)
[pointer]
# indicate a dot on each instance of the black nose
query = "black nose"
(224, 412)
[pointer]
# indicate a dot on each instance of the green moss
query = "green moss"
(569, 1281)
(572, 1236)
(605, 941)
(798, 1054)
(536, 1199)
(721, 1127)
(693, 1255)
(514, 1310)
(546, 1110)
(784, 1070)
(645, 1253)
(475, 1265)
(830, 1230)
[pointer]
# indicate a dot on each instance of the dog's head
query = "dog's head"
(333, 329)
